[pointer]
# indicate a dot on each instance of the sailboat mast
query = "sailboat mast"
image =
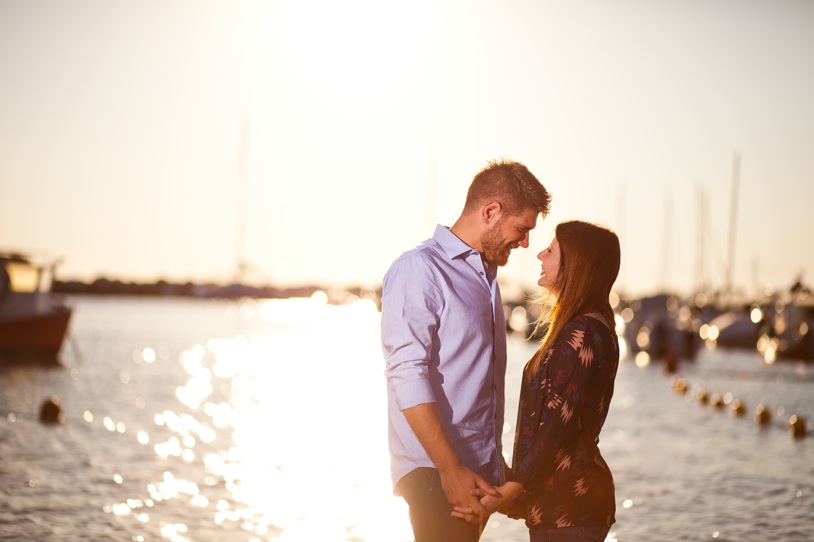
(242, 198)
(700, 244)
(666, 247)
(620, 227)
(733, 222)
(431, 207)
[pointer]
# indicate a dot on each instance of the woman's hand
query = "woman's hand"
(507, 493)
(493, 504)
(489, 504)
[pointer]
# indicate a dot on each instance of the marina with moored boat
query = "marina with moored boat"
(33, 320)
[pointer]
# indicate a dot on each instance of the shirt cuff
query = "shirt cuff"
(413, 392)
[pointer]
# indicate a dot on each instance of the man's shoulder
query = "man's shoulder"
(415, 266)
(424, 253)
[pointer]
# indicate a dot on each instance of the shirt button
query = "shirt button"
(481, 273)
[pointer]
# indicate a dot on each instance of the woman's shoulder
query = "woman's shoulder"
(572, 334)
(585, 332)
(589, 324)
(583, 322)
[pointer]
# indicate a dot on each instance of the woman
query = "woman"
(559, 482)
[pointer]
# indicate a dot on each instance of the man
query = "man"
(444, 342)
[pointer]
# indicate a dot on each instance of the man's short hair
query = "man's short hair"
(509, 183)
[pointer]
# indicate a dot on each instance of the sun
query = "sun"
(352, 59)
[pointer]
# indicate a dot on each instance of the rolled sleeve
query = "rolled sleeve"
(410, 307)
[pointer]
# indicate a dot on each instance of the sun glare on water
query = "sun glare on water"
(305, 408)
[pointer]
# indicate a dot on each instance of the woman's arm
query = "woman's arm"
(507, 493)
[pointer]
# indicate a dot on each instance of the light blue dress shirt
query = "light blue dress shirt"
(444, 342)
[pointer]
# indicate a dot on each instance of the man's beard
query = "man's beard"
(495, 250)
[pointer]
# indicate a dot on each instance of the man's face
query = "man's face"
(508, 233)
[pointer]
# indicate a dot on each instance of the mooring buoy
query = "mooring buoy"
(51, 412)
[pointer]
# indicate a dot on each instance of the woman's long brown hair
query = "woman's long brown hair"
(589, 265)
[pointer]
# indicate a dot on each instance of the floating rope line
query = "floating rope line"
(796, 425)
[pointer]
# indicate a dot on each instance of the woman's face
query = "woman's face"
(550, 257)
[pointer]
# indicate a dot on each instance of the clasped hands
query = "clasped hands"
(489, 503)
(473, 499)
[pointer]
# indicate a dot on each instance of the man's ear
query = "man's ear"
(490, 213)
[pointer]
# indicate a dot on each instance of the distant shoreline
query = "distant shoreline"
(206, 290)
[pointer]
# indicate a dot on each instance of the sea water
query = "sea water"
(200, 420)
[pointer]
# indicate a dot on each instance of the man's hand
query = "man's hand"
(462, 488)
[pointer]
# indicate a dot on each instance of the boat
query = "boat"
(737, 328)
(661, 326)
(790, 333)
(33, 320)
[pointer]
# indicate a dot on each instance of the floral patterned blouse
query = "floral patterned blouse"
(562, 409)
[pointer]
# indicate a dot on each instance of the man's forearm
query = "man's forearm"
(457, 481)
(427, 426)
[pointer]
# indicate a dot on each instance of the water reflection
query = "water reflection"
(270, 426)
(283, 432)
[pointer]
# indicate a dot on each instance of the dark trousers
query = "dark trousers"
(430, 512)
(570, 534)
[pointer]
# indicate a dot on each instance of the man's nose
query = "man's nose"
(525, 242)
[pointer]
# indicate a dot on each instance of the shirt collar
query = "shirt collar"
(451, 243)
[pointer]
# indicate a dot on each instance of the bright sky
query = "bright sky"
(139, 138)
